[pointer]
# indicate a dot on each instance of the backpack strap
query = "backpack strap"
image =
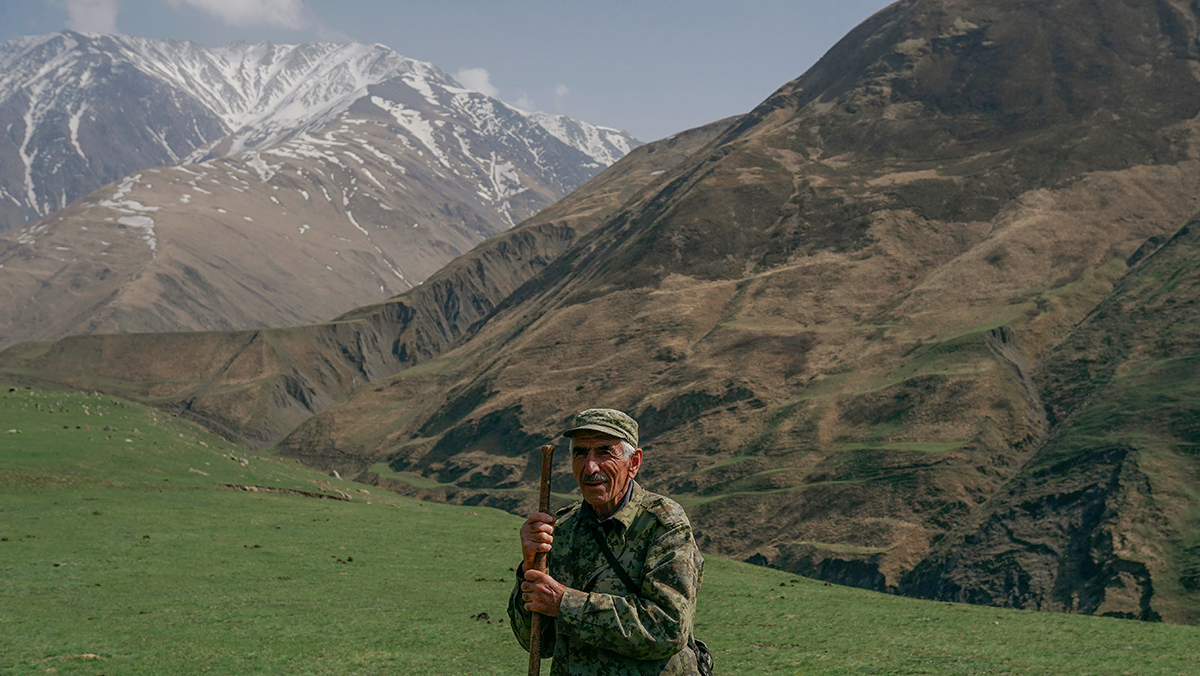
(594, 528)
(704, 659)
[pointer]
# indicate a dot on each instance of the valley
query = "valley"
(124, 549)
(921, 322)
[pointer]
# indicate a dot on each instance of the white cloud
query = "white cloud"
(477, 79)
(100, 16)
(525, 103)
(292, 14)
(92, 16)
(560, 93)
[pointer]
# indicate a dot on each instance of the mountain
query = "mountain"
(828, 322)
(1101, 519)
(919, 322)
(346, 170)
(85, 110)
(256, 386)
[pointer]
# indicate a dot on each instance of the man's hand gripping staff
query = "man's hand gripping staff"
(541, 593)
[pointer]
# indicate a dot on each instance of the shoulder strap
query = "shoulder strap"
(608, 556)
(704, 660)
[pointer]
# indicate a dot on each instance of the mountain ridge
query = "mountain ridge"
(353, 171)
(214, 102)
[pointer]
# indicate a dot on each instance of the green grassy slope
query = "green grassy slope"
(117, 559)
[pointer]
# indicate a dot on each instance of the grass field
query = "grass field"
(117, 558)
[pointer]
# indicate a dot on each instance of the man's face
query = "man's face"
(601, 470)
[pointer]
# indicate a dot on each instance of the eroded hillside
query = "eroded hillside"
(1102, 519)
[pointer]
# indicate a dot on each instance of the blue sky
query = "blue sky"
(651, 67)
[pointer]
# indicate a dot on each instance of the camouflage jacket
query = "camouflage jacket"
(602, 628)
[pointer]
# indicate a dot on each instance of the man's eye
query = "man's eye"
(606, 452)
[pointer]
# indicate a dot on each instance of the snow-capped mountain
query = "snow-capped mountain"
(82, 110)
(286, 184)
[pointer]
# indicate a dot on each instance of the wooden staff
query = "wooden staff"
(539, 564)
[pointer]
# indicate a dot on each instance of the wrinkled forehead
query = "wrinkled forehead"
(592, 439)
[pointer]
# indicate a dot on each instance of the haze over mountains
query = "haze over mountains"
(921, 322)
(346, 169)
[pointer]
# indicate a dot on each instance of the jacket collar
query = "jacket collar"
(626, 512)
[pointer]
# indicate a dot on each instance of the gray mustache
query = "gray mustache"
(597, 476)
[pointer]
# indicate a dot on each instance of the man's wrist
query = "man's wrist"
(571, 607)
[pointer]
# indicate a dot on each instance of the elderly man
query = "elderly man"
(602, 624)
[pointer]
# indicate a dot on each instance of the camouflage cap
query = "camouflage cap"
(605, 420)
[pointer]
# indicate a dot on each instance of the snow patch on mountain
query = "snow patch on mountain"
(119, 202)
(73, 125)
(146, 224)
(602, 144)
(65, 94)
(411, 120)
(264, 170)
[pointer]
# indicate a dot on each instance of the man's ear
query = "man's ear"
(635, 462)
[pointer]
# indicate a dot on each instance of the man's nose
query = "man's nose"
(591, 463)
